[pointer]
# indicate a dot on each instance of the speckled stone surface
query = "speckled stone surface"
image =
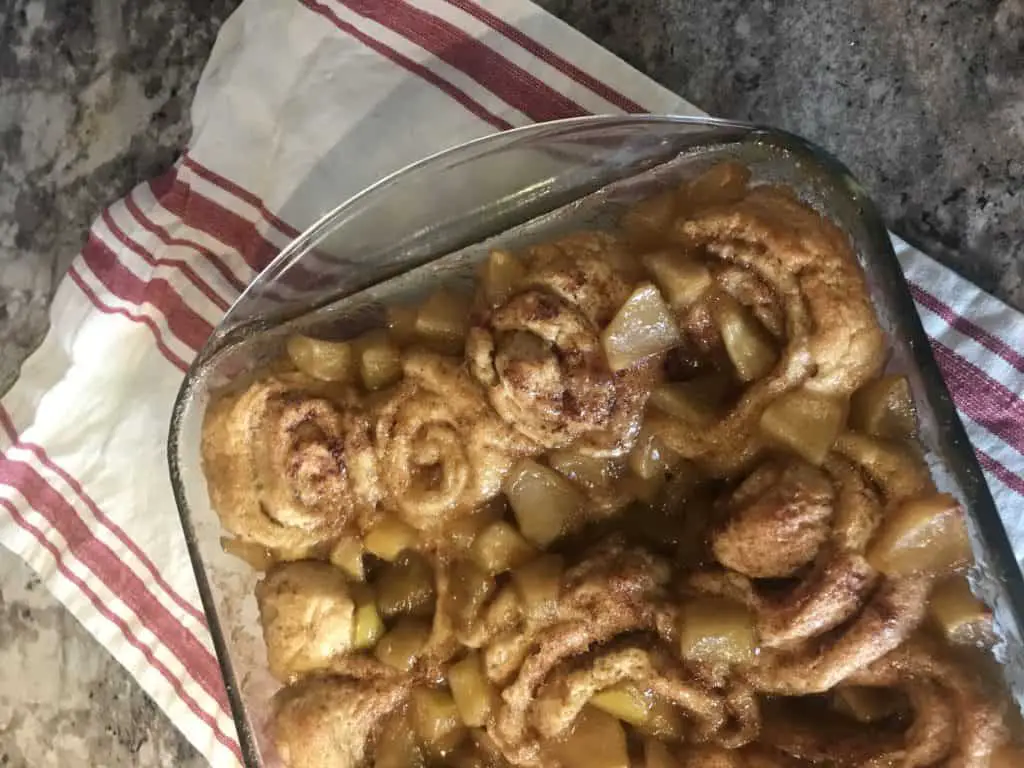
(94, 98)
(64, 701)
(923, 100)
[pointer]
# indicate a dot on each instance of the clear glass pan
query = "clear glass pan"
(433, 220)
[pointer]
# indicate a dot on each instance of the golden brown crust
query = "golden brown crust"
(840, 614)
(612, 591)
(807, 262)
(330, 722)
(539, 353)
(308, 617)
(288, 462)
(777, 520)
(782, 518)
(892, 466)
(953, 723)
(441, 450)
(796, 273)
(542, 362)
(889, 617)
(613, 623)
(567, 690)
(589, 270)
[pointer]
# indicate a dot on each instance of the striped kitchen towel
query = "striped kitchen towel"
(303, 103)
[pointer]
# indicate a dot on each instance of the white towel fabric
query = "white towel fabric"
(303, 103)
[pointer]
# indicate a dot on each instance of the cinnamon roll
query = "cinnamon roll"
(815, 528)
(538, 352)
(951, 720)
(770, 298)
(441, 450)
(289, 462)
(333, 721)
(315, 621)
(308, 617)
(611, 625)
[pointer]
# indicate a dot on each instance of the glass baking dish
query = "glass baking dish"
(434, 220)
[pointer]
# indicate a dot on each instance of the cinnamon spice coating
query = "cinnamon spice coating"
(813, 526)
(796, 273)
(953, 722)
(539, 354)
(702, 564)
(441, 450)
(289, 462)
(328, 721)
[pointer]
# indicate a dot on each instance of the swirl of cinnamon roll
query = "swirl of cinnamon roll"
(791, 520)
(289, 462)
(539, 355)
(612, 586)
(952, 722)
(611, 624)
(333, 721)
(340, 695)
(441, 449)
(771, 259)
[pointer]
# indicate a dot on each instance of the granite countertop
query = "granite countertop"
(924, 100)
